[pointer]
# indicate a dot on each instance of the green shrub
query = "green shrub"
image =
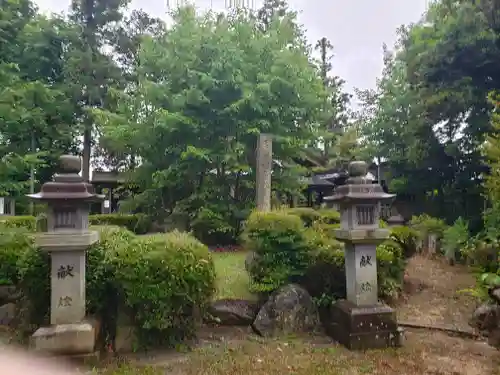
(407, 238)
(310, 216)
(213, 228)
(455, 238)
(136, 223)
(328, 216)
(425, 225)
(391, 266)
(279, 240)
(27, 222)
(14, 242)
(306, 214)
(289, 252)
(325, 277)
(168, 281)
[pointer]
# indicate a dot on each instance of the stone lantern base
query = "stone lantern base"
(66, 339)
(361, 328)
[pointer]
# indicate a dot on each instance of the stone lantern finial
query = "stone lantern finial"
(70, 164)
(357, 169)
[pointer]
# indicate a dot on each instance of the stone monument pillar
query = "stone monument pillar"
(264, 169)
(68, 199)
(361, 321)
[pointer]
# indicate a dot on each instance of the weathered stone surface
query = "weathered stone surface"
(8, 294)
(7, 314)
(236, 312)
(66, 339)
(494, 338)
(495, 294)
(486, 317)
(289, 310)
(250, 260)
(125, 339)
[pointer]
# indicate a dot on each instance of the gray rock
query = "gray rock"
(7, 314)
(250, 260)
(8, 294)
(289, 310)
(494, 338)
(234, 312)
(495, 294)
(486, 317)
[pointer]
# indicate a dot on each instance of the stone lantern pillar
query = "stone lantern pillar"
(361, 321)
(68, 199)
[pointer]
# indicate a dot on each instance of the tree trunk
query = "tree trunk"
(87, 148)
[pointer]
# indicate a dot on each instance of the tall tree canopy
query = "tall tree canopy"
(205, 88)
(430, 113)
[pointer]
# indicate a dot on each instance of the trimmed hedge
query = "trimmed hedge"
(163, 283)
(280, 242)
(136, 223)
(289, 251)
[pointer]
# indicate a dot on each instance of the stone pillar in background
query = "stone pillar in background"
(360, 321)
(264, 169)
(395, 219)
(67, 238)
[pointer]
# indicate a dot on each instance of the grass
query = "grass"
(308, 356)
(232, 278)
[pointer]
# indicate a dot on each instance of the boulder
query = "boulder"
(495, 294)
(8, 294)
(289, 310)
(7, 314)
(250, 260)
(234, 312)
(494, 338)
(486, 317)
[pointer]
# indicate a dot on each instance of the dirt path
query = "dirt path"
(434, 295)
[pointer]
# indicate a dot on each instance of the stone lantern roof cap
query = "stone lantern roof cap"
(358, 187)
(68, 184)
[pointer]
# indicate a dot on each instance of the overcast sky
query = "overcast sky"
(356, 28)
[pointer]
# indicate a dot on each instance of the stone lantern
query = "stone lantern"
(67, 238)
(361, 321)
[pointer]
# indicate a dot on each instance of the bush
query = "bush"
(407, 238)
(168, 281)
(14, 242)
(160, 281)
(280, 243)
(27, 222)
(310, 216)
(455, 238)
(213, 228)
(289, 252)
(136, 223)
(306, 214)
(425, 225)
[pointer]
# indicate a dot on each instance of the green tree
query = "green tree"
(89, 71)
(337, 137)
(430, 113)
(36, 116)
(206, 88)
